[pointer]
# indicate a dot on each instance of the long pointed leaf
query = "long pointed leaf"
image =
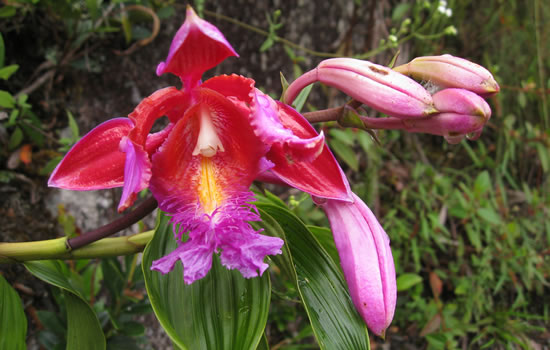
(83, 329)
(13, 323)
(221, 311)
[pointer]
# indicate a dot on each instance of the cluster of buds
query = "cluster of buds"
(453, 106)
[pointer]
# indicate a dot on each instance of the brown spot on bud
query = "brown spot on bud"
(378, 70)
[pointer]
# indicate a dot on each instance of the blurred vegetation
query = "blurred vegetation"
(468, 222)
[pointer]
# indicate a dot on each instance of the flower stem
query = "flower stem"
(58, 248)
(330, 114)
(111, 228)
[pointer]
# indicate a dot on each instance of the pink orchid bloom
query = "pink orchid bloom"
(223, 133)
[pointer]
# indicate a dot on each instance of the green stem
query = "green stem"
(57, 248)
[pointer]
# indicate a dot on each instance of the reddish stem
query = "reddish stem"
(111, 228)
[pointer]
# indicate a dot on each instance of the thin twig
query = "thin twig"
(145, 41)
(265, 33)
(127, 220)
(37, 83)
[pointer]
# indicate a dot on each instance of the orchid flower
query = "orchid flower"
(223, 133)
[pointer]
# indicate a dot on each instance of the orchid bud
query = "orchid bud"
(462, 102)
(462, 113)
(451, 72)
(377, 86)
(366, 259)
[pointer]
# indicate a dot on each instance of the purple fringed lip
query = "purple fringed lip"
(225, 231)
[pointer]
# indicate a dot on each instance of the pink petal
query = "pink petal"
(137, 172)
(321, 177)
(197, 47)
(269, 128)
(195, 255)
(366, 259)
(95, 161)
(245, 250)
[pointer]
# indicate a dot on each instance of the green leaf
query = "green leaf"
(83, 329)
(267, 44)
(482, 183)
(324, 236)
(399, 11)
(264, 345)
(335, 322)
(73, 126)
(166, 12)
(284, 260)
(488, 214)
(127, 28)
(220, 311)
(93, 8)
(7, 11)
(407, 281)
(6, 99)
(6, 72)
(284, 85)
(347, 136)
(12, 318)
(15, 138)
(50, 166)
(300, 100)
(345, 152)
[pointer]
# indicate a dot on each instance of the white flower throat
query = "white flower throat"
(208, 142)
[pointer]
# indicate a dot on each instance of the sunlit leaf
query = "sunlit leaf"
(6, 72)
(301, 98)
(407, 281)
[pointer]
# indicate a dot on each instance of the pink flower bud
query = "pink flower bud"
(462, 102)
(462, 113)
(448, 71)
(377, 86)
(366, 259)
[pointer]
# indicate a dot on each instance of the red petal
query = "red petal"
(232, 86)
(168, 101)
(321, 177)
(95, 161)
(197, 47)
